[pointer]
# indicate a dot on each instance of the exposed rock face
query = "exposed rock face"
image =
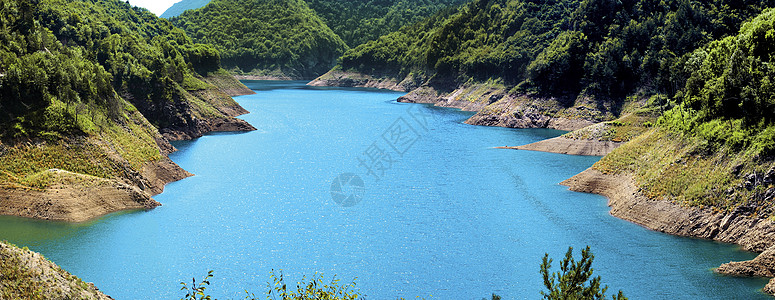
(515, 111)
(159, 173)
(628, 203)
(473, 98)
(198, 127)
(761, 266)
(494, 104)
(184, 121)
(262, 77)
(25, 274)
(229, 85)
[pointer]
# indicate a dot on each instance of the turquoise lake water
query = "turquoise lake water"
(442, 215)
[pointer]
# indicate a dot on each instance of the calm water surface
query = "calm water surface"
(445, 216)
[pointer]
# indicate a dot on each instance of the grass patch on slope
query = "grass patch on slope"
(684, 169)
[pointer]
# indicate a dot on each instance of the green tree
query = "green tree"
(574, 281)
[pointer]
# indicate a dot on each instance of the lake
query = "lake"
(405, 197)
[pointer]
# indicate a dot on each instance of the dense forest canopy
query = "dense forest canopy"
(62, 60)
(355, 21)
(599, 49)
(608, 47)
(360, 21)
(265, 37)
(729, 97)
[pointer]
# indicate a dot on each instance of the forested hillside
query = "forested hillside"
(357, 22)
(567, 48)
(729, 96)
(87, 88)
(716, 146)
(265, 37)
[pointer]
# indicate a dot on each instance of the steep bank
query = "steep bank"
(262, 77)
(61, 195)
(741, 227)
(118, 168)
(200, 110)
(89, 106)
(674, 183)
(73, 197)
(28, 275)
(628, 202)
(228, 84)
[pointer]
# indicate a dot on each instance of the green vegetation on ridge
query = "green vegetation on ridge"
(265, 37)
(360, 21)
(295, 38)
(602, 48)
(86, 86)
(716, 146)
(729, 96)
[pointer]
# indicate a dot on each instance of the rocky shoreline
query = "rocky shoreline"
(353, 79)
(627, 202)
(263, 77)
(493, 103)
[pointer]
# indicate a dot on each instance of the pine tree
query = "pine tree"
(573, 280)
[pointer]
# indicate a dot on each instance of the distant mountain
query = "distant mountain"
(184, 5)
(359, 21)
(355, 21)
(281, 38)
